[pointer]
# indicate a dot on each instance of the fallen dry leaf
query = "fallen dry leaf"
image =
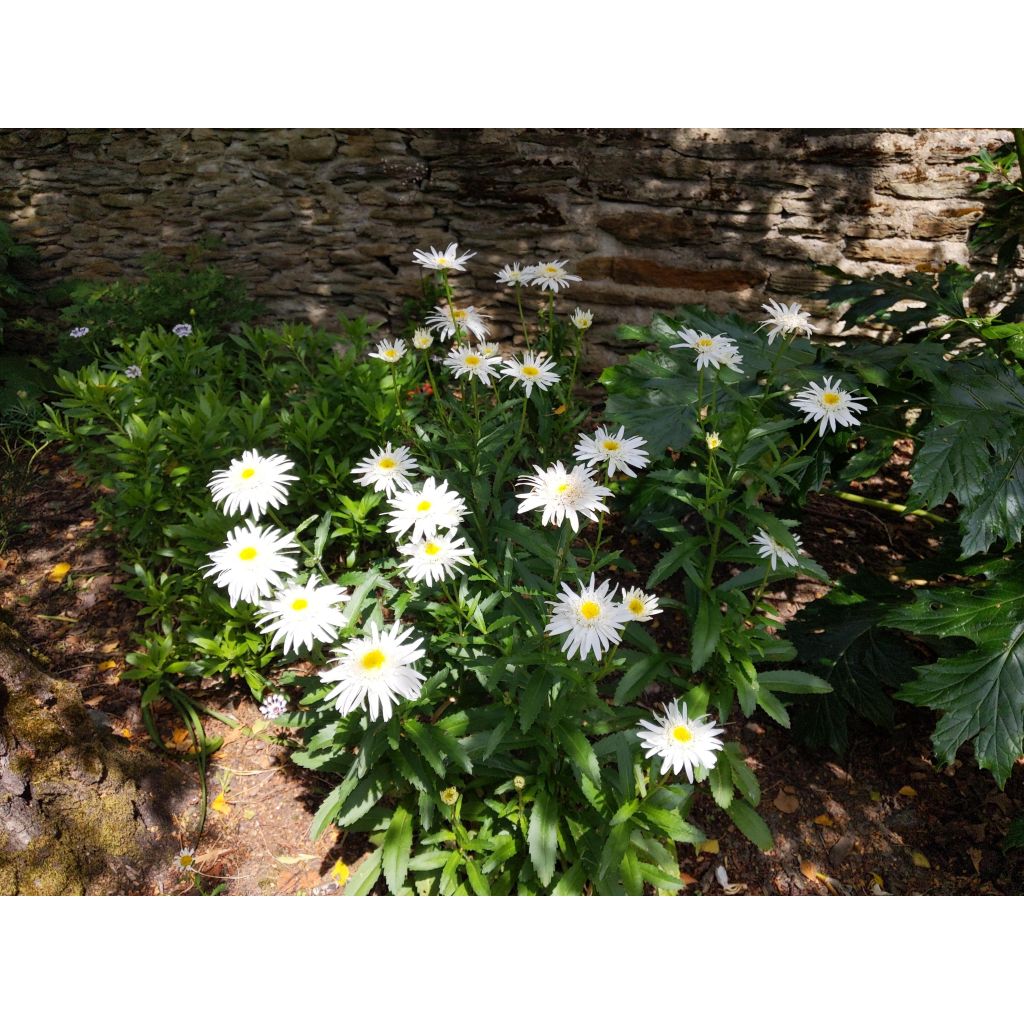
(975, 856)
(875, 796)
(58, 572)
(809, 870)
(295, 858)
(109, 646)
(920, 860)
(687, 879)
(221, 805)
(340, 872)
(105, 666)
(708, 846)
(824, 820)
(786, 802)
(907, 791)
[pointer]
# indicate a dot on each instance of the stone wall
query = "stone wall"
(325, 221)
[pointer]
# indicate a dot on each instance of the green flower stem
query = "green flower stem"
(451, 306)
(760, 590)
(522, 420)
(784, 344)
(522, 316)
(888, 506)
(597, 543)
(563, 548)
(551, 323)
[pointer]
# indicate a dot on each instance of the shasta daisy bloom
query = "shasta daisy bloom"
(185, 860)
(563, 494)
(593, 619)
(467, 361)
(768, 547)
(273, 707)
(435, 557)
(426, 511)
(640, 606)
(534, 370)
(718, 350)
(388, 469)
(489, 348)
(512, 275)
(712, 440)
(389, 351)
(617, 450)
(785, 319)
(252, 483)
(466, 319)
(447, 260)
(252, 562)
(373, 671)
(301, 613)
(829, 405)
(422, 338)
(550, 276)
(182, 330)
(582, 319)
(682, 743)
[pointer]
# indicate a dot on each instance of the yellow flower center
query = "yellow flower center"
(551, 269)
(459, 314)
(705, 342)
(185, 860)
(590, 610)
(713, 441)
(423, 506)
(386, 463)
(530, 371)
(830, 398)
(610, 445)
(681, 734)
(562, 488)
(472, 360)
(299, 603)
(391, 353)
(373, 659)
(442, 261)
(248, 472)
(247, 554)
(636, 606)
(431, 548)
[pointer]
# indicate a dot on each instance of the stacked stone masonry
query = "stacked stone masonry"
(324, 221)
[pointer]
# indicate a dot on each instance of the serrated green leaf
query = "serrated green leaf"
(751, 824)
(542, 837)
(576, 745)
(788, 680)
(365, 876)
(397, 848)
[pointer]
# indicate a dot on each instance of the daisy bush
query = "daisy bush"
(402, 545)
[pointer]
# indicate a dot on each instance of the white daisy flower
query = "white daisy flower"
(388, 469)
(435, 557)
(469, 319)
(550, 276)
(593, 619)
(182, 330)
(466, 361)
(273, 707)
(718, 351)
(422, 339)
(252, 483)
(512, 275)
(489, 349)
(563, 494)
(252, 562)
(300, 613)
(682, 743)
(582, 319)
(618, 451)
(389, 351)
(185, 860)
(535, 370)
(713, 440)
(829, 405)
(133, 372)
(640, 606)
(426, 511)
(447, 260)
(768, 547)
(373, 671)
(785, 319)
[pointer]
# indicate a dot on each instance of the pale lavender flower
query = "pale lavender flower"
(273, 707)
(78, 332)
(182, 330)
(132, 372)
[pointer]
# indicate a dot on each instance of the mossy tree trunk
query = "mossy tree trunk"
(81, 811)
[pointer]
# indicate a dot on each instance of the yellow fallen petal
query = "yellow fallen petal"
(58, 572)
(824, 820)
(340, 872)
(919, 859)
(220, 805)
(907, 791)
(708, 846)
(105, 665)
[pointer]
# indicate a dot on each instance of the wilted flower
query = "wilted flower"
(768, 547)
(512, 275)
(469, 318)
(829, 405)
(785, 319)
(641, 607)
(682, 743)
(713, 440)
(450, 796)
(519, 782)
(447, 260)
(582, 319)
(422, 338)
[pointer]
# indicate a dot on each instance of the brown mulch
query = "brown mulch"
(884, 818)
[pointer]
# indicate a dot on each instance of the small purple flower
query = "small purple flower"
(182, 330)
(78, 332)
(273, 707)
(133, 371)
